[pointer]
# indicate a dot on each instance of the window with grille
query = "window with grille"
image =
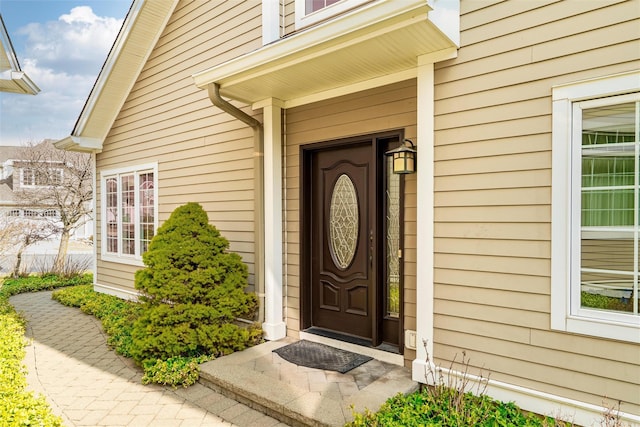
(41, 176)
(128, 211)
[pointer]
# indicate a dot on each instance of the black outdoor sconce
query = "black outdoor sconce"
(404, 158)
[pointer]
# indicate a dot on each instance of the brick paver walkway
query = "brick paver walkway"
(88, 384)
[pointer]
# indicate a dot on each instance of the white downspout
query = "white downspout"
(258, 138)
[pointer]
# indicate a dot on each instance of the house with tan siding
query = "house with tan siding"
(516, 238)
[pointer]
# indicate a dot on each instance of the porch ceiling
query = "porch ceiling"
(383, 39)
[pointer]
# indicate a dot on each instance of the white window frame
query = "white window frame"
(566, 313)
(136, 258)
(304, 20)
(34, 170)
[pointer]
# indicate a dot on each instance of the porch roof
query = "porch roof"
(370, 46)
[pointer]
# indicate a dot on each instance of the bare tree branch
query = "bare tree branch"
(48, 179)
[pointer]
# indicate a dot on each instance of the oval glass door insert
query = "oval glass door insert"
(344, 219)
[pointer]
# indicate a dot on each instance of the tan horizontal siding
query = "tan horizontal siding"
(495, 247)
(289, 16)
(203, 154)
(491, 280)
(493, 192)
(355, 114)
(493, 214)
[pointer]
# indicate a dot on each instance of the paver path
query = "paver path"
(88, 384)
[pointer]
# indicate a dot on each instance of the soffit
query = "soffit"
(382, 39)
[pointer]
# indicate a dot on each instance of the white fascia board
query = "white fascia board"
(6, 47)
(24, 82)
(78, 143)
(288, 47)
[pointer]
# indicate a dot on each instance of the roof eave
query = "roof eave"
(22, 81)
(80, 144)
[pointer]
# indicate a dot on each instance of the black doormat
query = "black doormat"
(320, 356)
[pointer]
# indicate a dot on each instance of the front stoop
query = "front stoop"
(301, 396)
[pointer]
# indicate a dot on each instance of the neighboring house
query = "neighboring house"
(12, 78)
(523, 210)
(18, 174)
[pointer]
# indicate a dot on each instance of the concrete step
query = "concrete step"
(301, 396)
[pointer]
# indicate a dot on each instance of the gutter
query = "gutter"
(258, 186)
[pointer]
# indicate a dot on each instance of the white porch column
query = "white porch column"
(424, 265)
(274, 326)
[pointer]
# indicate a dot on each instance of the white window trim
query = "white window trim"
(304, 20)
(35, 185)
(136, 170)
(564, 316)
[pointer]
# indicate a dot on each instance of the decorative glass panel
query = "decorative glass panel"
(344, 219)
(147, 214)
(127, 191)
(393, 240)
(111, 201)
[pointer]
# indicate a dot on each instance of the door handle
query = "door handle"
(371, 248)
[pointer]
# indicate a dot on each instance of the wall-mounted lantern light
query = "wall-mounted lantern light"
(404, 157)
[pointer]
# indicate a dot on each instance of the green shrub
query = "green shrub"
(174, 371)
(606, 303)
(451, 402)
(193, 290)
(116, 315)
(447, 408)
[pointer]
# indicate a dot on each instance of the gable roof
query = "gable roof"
(12, 78)
(140, 31)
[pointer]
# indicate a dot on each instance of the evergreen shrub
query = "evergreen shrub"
(193, 290)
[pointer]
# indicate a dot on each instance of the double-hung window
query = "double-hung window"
(129, 212)
(596, 207)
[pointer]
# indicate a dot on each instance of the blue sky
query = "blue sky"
(61, 45)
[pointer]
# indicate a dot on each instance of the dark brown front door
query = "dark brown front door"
(351, 242)
(343, 219)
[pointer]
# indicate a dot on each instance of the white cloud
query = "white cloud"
(79, 39)
(63, 58)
